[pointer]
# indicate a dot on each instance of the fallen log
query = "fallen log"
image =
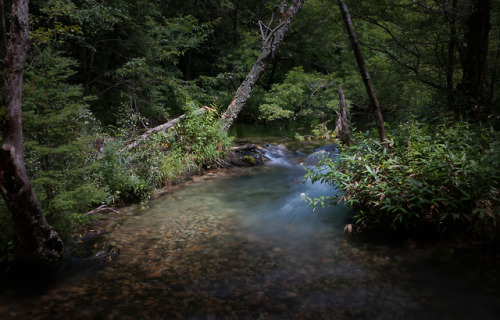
(245, 147)
(164, 127)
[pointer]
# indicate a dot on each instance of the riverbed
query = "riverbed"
(244, 244)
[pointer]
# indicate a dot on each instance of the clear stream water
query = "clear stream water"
(243, 244)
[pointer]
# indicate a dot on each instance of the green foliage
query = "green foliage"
(201, 136)
(134, 64)
(59, 136)
(446, 175)
(55, 23)
(300, 95)
(321, 131)
(239, 59)
(150, 80)
(163, 158)
(120, 173)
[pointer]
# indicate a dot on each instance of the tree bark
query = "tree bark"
(39, 240)
(342, 126)
(474, 62)
(4, 30)
(364, 73)
(271, 42)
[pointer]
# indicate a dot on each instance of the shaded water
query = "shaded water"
(242, 244)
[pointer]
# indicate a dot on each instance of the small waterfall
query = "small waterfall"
(293, 205)
(279, 155)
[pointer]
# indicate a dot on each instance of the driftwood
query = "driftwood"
(164, 127)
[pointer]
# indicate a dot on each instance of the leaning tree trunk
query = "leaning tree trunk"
(364, 73)
(342, 126)
(40, 241)
(271, 40)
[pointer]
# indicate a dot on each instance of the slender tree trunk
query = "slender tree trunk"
(364, 73)
(4, 30)
(474, 62)
(40, 241)
(450, 64)
(342, 126)
(271, 41)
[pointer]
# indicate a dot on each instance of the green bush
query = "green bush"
(302, 95)
(163, 158)
(59, 140)
(201, 137)
(445, 175)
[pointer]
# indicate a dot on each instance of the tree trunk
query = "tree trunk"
(342, 126)
(4, 30)
(474, 62)
(39, 240)
(271, 41)
(450, 64)
(364, 73)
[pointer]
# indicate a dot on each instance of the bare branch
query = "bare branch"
(100, 209)
(415, 69)
(425, 7)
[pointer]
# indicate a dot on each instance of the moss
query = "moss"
(250, 160)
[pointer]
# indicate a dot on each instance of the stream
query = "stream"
(243, 244)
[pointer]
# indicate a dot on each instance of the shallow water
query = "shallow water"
(243, 244)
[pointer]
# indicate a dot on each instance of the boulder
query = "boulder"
(246, 156)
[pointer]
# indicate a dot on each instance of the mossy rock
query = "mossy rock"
(250, 160)
(246, 156)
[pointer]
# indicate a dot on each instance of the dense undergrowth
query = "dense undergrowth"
(163, 158)
(443, 176)
(119, 174)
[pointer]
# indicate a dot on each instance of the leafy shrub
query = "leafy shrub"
(202, 137)
(445, 175)
(59, 137)
(163, 158)
(119, 173)
(301, 95)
